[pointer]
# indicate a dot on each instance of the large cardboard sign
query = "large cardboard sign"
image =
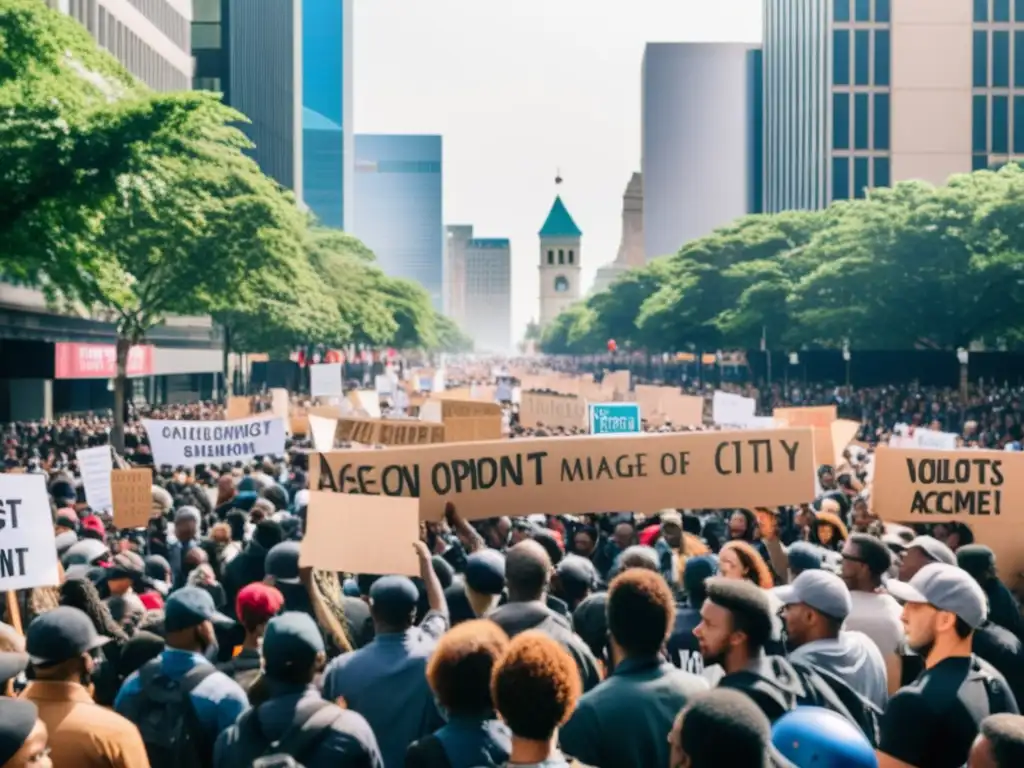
(583, 475)
(133, 496)
(552, 411)
(983, 489)
(389, 431)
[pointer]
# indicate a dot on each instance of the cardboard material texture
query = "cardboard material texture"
(819, 418)
(343, 534)
(279, 402)
(983, 489)
(552, 411)
(389, 431)
(617, 380)
(132, 490)
(842, 433)
(583, 475)
(472, 429)
(238, 408)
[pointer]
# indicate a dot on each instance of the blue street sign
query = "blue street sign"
(614, 418)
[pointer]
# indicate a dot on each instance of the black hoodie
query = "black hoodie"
(520, 617)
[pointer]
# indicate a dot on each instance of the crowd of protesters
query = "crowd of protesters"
(815, 635)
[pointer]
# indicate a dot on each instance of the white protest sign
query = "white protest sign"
(906, 436)
(187, 443)
(95, 466)
(28, 550)
(322, 430)
(729, 410)
(384, 384)
(325, 380)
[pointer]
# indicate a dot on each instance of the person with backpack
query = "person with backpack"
(295, 721)
(933, 722)
(180, 701)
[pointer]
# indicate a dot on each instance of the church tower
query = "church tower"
(559, 262)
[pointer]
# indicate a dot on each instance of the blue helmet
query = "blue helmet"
(818, 737)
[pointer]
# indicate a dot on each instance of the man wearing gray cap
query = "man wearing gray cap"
(922, 551)
(816, 605)
(932, 722)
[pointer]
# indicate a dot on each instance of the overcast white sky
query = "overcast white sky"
(518, 89)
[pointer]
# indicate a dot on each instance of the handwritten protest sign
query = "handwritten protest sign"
(28, 551)
(732, 410)
(583, 475)
(552, 411)
(95, 466)
(841, 433)
(471, 429)
(341, 537)
(983, 489)
(187, 443)
(133, 497)
(389, 431)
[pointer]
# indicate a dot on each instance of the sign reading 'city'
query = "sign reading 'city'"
(614, 418)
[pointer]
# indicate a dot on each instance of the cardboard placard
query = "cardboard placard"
(819, 418)
(842, 433)
(343, 534)
(279, 404)
(584, 475)
(552, 411)
(683, 410)
(238, 408)
(618, 380)
(389, 431)
(133, 497)
(472, 429)
(983, 489)
(468, 409)
(298, 424)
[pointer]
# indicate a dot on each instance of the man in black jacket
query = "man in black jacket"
(249, 567)
(527, 575)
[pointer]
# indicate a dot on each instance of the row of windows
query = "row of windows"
(865, 126)
(861, 10)
(993, 124)
(998, 10)
(994, 58)
(866, 62)
(562, 257)
(867, 172)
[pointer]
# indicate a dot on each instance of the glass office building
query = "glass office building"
(398, 206)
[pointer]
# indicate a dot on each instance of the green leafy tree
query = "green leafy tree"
(409, 304)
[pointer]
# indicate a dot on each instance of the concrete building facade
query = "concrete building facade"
(151, 38)
(631, 246)
(398, 210)
(701, 138)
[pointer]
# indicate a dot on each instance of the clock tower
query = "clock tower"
(559, 261)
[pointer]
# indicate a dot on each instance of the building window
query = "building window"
(841, 10)
(1018, 10)
(1001, 59)
(840, 121)
(860, 121)
(1000, 125)
(205, 37)
(860, 177)
(572, 256)
(979, 124)
(1001, 10)
(979, 162)
(840, 178)
(206, 10)
(561, 284)
(561, 256)
(981, 10)
(882, 175)
(980, 59)
(882, 10)
(1018, 125)
(881, 121)
(862, 57)
(551, 257)
(1018, 57)
(841, 57)
(882, 57)
(863, 10)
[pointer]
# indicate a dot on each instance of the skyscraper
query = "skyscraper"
(454, 271)
(701, 134)
(151, 39)
(488, 297)
(328, 140)
(398, 206)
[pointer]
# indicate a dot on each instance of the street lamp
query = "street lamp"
(963, 356)
(846, 359)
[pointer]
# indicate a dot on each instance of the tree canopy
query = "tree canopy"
(907, 266)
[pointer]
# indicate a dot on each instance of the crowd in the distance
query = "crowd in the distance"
(815, 635)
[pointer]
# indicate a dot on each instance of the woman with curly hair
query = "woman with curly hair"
(82, 594)
(739, 560)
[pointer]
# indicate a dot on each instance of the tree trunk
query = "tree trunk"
(228, 378)
(120, 402)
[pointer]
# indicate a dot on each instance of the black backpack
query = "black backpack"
(167, 720)
(311, 723)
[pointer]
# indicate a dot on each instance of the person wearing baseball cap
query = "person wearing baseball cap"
(815, 606)
(60, 645)
(920, 552)
(934, 720)
(23, 736)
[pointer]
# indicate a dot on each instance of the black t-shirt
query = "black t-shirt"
(933, 721)
(1004, 651)
(683, 648)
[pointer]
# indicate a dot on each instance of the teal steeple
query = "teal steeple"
(559, 223)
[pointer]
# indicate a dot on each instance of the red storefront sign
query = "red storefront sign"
(98, 361)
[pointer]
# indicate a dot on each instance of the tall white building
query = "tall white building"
(700, 133)
(151, 38)
(560, 262)
(457, 237)
(488, 299)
